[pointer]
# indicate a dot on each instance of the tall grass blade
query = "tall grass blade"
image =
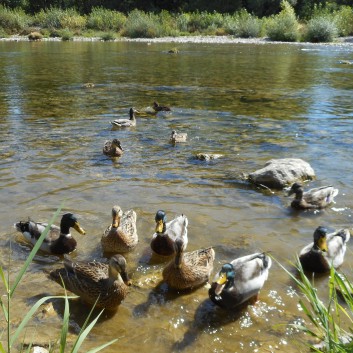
(2, 350)
(65, 326)
(34, 251)
(97, 349)
(29, 315)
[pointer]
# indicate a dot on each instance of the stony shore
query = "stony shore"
(189, 39)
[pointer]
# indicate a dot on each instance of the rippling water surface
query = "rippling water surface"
(248, 102)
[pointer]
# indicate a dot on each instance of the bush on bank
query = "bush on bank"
(325, 24)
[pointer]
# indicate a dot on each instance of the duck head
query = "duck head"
(161, 219)
(296, 189)
(117, 265)
(225, 278)
(68, 221)
(320, 239)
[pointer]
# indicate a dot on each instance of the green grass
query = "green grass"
(12, 335)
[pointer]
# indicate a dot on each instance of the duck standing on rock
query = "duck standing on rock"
(126, 122)
(166, 233)
(95, 282)
(113, 148)
(312, 199)
(188, 270)
(58, 240)
(326, 251)
(240, 281)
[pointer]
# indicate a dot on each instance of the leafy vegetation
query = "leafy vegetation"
(321, 29)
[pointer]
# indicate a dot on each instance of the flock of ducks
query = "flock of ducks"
(237, 282)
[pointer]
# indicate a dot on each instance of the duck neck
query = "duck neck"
(64, 228)
(178, 259)
(299, 194)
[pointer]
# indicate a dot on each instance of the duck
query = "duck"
(177, 137)
(59, 240)
(126, 122)
(88, 85)
(312, 199)
(188, 270)
(103, 284)
(162, 243)
(113, 148)
(326, 251)
(121, 236)
(240, 281)
(160, 108)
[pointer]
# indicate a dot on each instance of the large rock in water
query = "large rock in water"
(278, 173)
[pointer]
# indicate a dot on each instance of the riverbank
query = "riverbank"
(186, 39)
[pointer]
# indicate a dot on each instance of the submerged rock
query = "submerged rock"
(208, 156)
(278, 173)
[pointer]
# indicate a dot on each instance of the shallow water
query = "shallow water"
(248, 102)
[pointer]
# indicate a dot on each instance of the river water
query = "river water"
(249, 102)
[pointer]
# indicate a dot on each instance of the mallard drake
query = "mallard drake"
(188, 270)
(126, 122)
(113, 148)
(327, 250)
(88, 85)
(240, 280)
(166, 233)
(160, 108)
(58, 240)
(176, 137)
(121, 235)
(313, 198)
(95, 280)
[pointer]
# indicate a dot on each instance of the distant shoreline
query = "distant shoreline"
(187, 39)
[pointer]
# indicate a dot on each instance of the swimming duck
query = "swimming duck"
(188, 270)
(166, 233)
(160, 108)
(91, 280)
(178, 137)
(88, 85)
(313, 198)
(240, 280)
(121, 235)
(327, 250)
(113, 148)
(58, 240)
(126, 122)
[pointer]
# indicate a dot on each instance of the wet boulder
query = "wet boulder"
(278, 173)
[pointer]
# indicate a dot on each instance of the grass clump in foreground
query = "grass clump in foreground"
(12, 335)
(325, 318)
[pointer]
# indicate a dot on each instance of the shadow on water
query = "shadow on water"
(207, 316)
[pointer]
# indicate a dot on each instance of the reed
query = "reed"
(12, 336)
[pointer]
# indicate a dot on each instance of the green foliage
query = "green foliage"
(13, 20)
(142, 25)
(284, 26)
(325, 318)
(204, 22)
(105, 20)
(57, 18)
(344, 20)
(248, 26)
(12, 334)
(321, 29)
(65, 34)
(107, 36)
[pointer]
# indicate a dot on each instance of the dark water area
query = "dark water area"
(249, 102)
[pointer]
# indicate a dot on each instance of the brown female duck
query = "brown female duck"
(95, 281)
(188, 270)
(113, 148)
(58, 240)
(313, 198)
(121, 235)
(160, 108)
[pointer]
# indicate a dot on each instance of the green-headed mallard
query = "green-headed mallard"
(167, 232)
(126, 122)
(58, 240)
(113, 148)
(313, 198)
(121, 235)
(188, 270)
(240, 280)
(327, 250)
(176, 137)
(95, 280)
(160, 108)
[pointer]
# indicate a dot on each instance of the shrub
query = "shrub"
(142, 25)
(106, 20)
(13, 20)
(107, 36)
(321, 29)
(66, 34)
(284, 26)
(248, 26)
(344, 20)
(205, 21)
